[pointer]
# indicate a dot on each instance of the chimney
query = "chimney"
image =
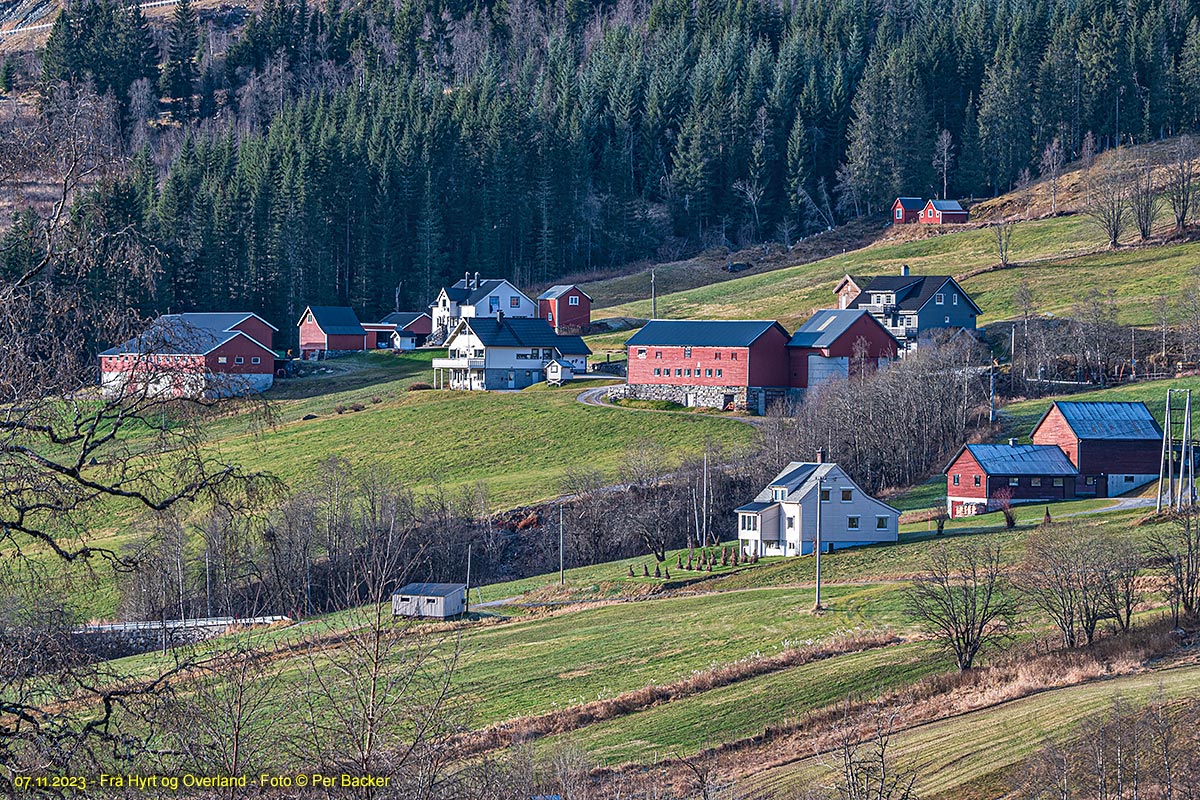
(904, 271)
(499, 315)
(476, 280)
(1012, 442)
(821, 456)
(467, 280)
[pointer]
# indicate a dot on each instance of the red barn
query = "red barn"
(379, 334)
(565, 307)
(1116, 447)
(412, 328)
(907, 210)
(712, 363)
(943, 212)
(837, 343)
(330, 329)
(1029, 473)
(191, 355)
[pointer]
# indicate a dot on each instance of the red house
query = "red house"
(330, 329)
(1028, 473)
(194, 355)
(835, 344)
(712, 363)
(906, 210)
(943, 212)
(565, 307)
(1116, 447)
(412, 328)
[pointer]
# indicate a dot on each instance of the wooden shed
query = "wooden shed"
(430, 600)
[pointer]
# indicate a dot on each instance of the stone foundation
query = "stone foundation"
(755, 399)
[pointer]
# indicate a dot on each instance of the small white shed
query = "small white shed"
(558, 371)
(431, 600)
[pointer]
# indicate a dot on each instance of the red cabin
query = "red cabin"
(943, 212)
(330, 329)
(980, 475)
(565, 307)
(907, 210)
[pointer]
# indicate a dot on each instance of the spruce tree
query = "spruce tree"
(179, 71)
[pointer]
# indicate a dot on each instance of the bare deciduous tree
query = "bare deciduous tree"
(1144, 199)
(865, 768)
(961, 597)
(1051, 168)
(943, 158)
(1181, 179)
(1107, 203)
(1003, 233)
(1176, 551)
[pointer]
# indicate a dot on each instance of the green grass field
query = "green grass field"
(1059, 257)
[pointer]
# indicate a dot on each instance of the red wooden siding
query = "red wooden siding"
(966, 468)
(243, 348)
(1055, 430)
(1098, 456)
(256, 329)
(559, 312)
(733, 362)
(311, 335)
(906, 217)
(768, 359)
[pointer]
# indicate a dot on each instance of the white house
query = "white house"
(434, 600)
(471, 297)
(505, 353)
(784, 518)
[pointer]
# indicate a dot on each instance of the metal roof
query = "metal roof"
(910, 203)
(337, 320)
(1108, 420)
(560, 290)
(522, 332)
(825, 327)
(754, 507)
(702, 333)
(912, 291)
(1020, 459)
(946, 205)
(432, 589)
(185, 334)
(402, 319)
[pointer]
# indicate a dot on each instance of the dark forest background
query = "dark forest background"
(363, 153)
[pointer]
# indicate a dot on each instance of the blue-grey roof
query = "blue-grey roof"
(560, 290)
(910, 203)
(465, 293)
(523, 332)
(432, 589)
(753, 507)
(1108, 420)
(402, 319)
(826, 326)
(947, 205)
(184, 334)
(337, 320)
(912, 291)
(702, 333)
(1020, 459)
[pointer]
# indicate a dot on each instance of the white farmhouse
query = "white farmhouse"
(783, 519)
(471, 297)
(504, 353)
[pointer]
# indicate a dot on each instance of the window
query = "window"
(1058, 481)
(852, 523)
(955, 480)
(657, 372)
(1014, 481)
(881, 523)
(939, 298)
(733, 356)
(718, 373)
(222, 360)
(954, 299)
(239, 360)
(658, 354)
(778, 494)
(641, 353)
(976, 480)
(547, 352)
(899, 214)
(550, 317)
(1129, 479)
(1090, 480)
(405, 599)
(708, 373)
(309, 319)
(678, 372)
(255, 360)
(824, 495)
(947, 319)
(910, 321)
(717, 356)
(1035, 481)
(514, 302)
(430, 600)
(573, 300)
(494, 304)
(687, 373)
(687, 352)
(791, 522)
(847, 495)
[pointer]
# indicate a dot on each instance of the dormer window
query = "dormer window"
(778, 494)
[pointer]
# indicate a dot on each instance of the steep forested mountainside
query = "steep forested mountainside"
(364, 152)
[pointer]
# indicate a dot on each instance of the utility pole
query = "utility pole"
(562, 575)
(467, 593)
(817, 544)
(704, 501)
(207, 585)
(653, 296)
(992, 390)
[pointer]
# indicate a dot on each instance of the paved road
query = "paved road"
(41, 26)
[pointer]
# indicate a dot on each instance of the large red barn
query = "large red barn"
(1116, 447)
(836, 343)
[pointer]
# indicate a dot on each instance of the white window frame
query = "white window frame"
(255, 360)
(239, 360)
(573, 300)
(881, 523)
(852, 523)
(222, 360)
(939, 299)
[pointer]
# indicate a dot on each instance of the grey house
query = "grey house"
(430, 600)
(910, 306)
(783, 519)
